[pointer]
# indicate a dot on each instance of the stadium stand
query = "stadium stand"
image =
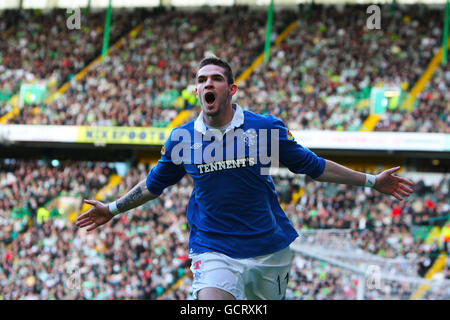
(339, 84)
(308, 94)
(152, 242)
(29, 55)
(307, 82)
(321, 76)
(153, 239)
(131, 95)
(432, 111)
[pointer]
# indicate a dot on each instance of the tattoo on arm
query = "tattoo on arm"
(129, 198)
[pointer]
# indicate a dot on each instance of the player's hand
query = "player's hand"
(395, 186)
(96, 216)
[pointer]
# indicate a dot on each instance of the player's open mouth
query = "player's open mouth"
(210, 98)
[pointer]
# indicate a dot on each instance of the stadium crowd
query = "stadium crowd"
(320, 76)
(141, 254)
(317, 280)
(148, 79)
(137, 256)
(381, 224)
(39, 46)
(431, 113)
(30, 184)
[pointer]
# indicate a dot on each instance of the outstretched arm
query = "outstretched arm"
(385, 182)
(101, 213)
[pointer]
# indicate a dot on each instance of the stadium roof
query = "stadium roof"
(11, 4)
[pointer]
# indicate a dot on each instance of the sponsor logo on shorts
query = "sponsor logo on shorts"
(197, 264)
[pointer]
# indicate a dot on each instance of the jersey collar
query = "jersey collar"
(237, 121)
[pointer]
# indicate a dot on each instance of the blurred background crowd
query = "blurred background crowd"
(141, 254)
(318, 78)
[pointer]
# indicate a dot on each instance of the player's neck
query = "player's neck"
(221, 119)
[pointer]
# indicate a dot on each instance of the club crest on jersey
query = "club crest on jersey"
(196, 146)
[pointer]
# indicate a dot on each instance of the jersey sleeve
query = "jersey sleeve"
(294, 156)
(166, 172)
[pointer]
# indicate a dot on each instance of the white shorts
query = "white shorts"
(263, 277)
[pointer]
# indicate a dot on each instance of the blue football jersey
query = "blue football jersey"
(234, 208)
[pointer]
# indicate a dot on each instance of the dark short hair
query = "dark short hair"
(218, 62)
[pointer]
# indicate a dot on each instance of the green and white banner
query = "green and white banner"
(32, 93)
